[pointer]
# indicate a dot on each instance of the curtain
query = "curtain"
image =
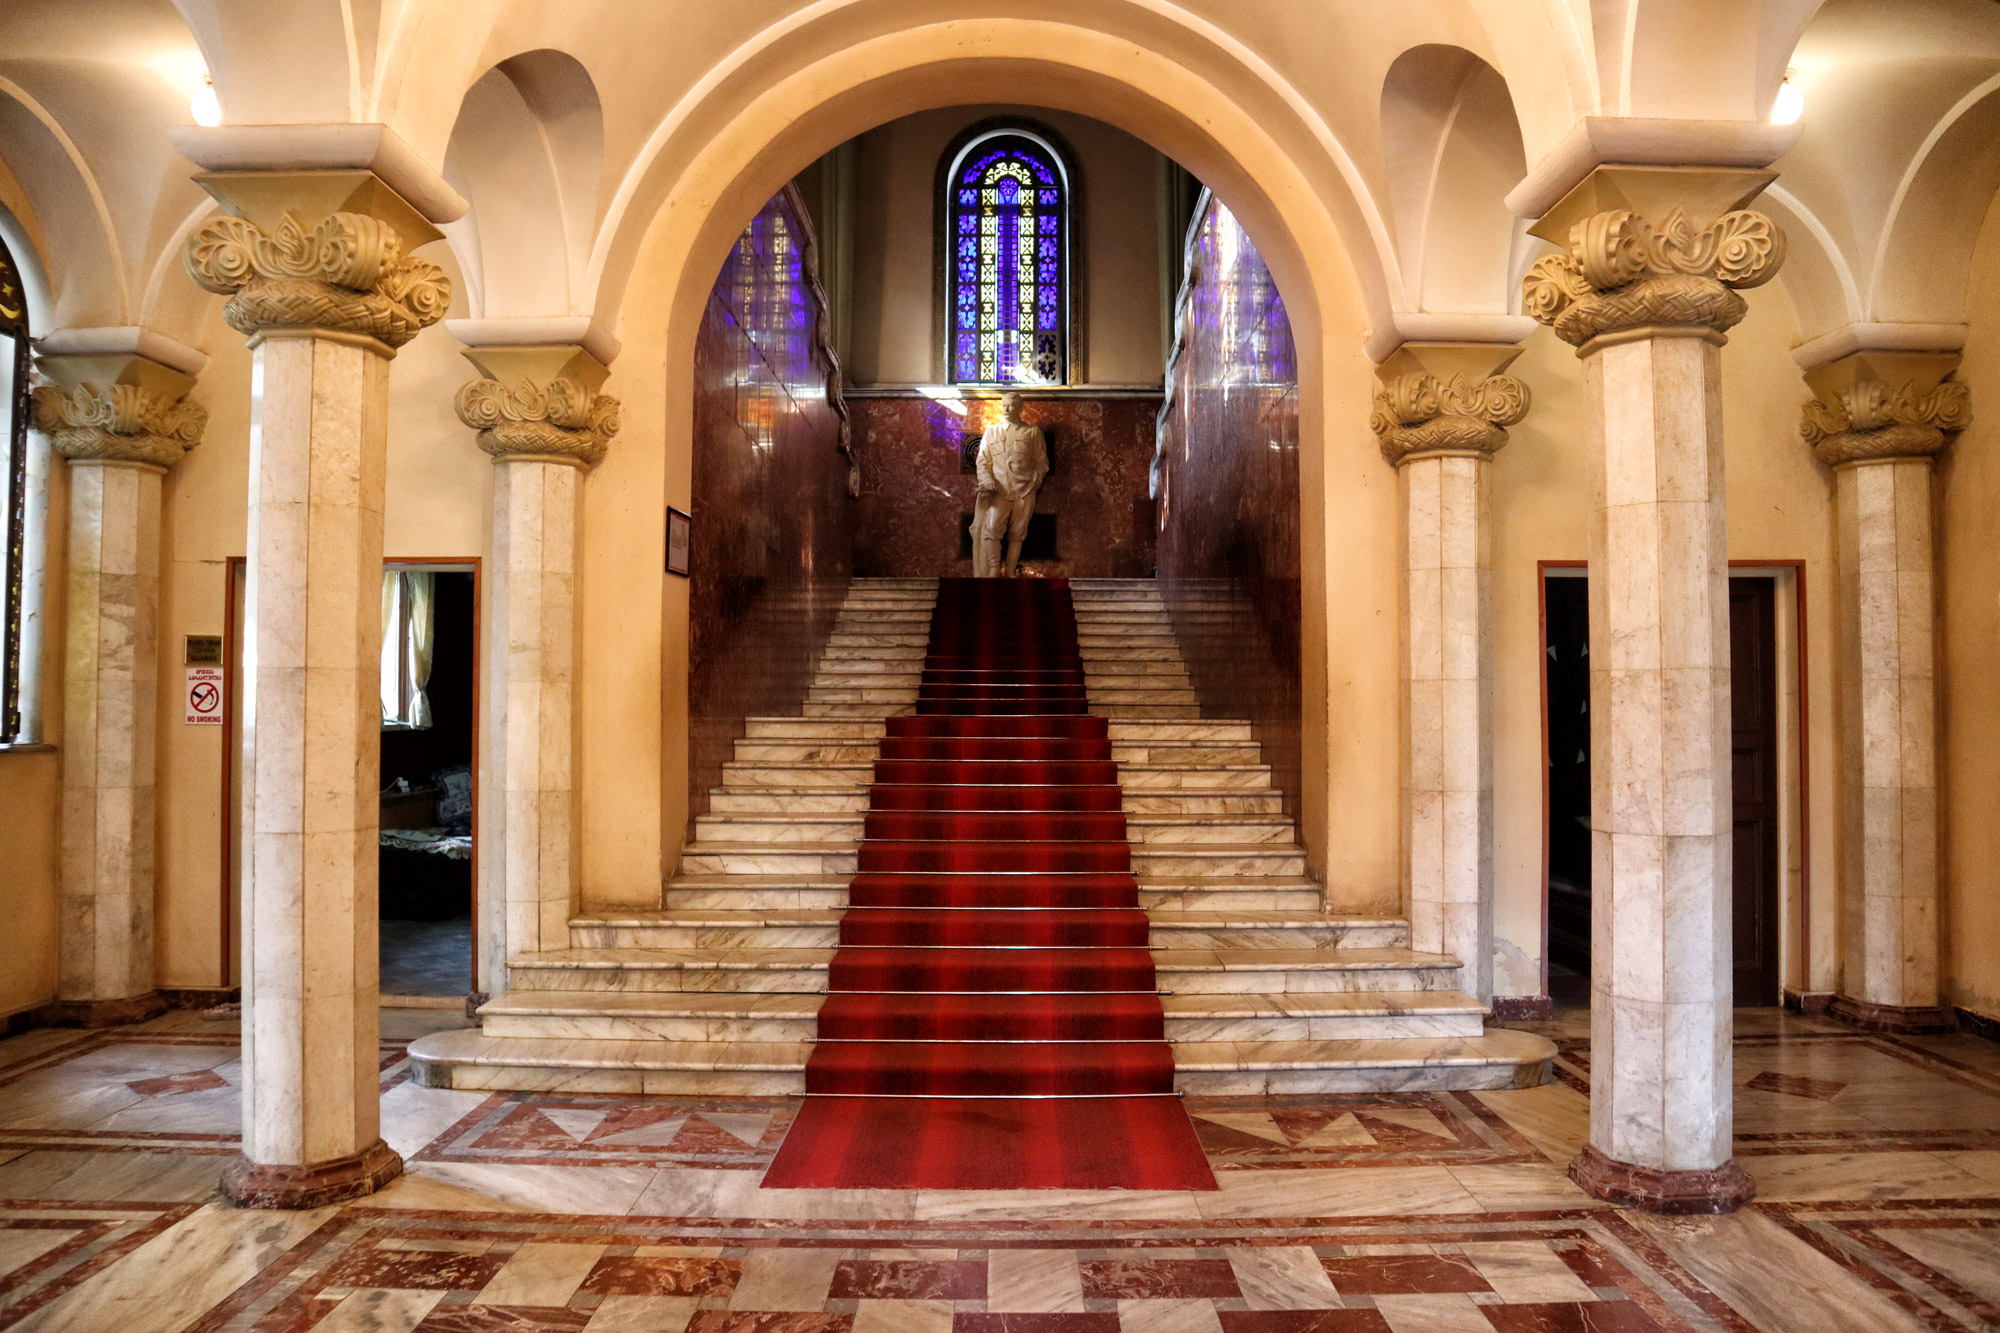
(392, 647)
(422, 634)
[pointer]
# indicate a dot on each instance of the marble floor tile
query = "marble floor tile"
(412, 1116)
(1968, 1256)
(379, 1310)
(554, 1189)
(1554, 1117)
(1402, 1190)
(1775, 1280)
(641, 1314)
(1033, 1280)
(1526, 1271)
(1507, 1188)
(1443, 1312)
(540, 1274)
(1168, 1316)
(133, 1176)
(1861, 1176)
(168, 1282)
(1282, 1277)
(786, 1279)
(903, 1317)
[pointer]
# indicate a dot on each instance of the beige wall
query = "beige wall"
(1969, 516)
(1116, 306)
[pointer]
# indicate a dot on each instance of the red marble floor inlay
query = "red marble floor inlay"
(663, 1275)
(419, 1270)
(1797, 1085)
(1403, 1274)
(172, 1085)
(752, 1321)
(1303, 1321)
(1571, 1317)
(1158, 1279)
(503, 1319)
(909, 1280)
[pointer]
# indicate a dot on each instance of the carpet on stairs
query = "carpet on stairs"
(993, 1019)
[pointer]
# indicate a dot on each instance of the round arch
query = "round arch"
(728, 148)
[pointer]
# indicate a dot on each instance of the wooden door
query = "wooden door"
(1754, 769)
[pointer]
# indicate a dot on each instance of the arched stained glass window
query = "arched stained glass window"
(1007, 211)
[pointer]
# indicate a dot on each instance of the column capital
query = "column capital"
(1877, 407)
(111, 406)
(317, 252)
(1652, 249)
(539, 401)
(1446, 398)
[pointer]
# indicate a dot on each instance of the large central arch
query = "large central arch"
(1161, 76)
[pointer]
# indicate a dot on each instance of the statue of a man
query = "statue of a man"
(1013, 459)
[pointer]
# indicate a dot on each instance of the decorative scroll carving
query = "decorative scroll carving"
(562, 418)
(118, 423)
(1622, 272)
(1421, 414)
(1871, 420)
(348, 274)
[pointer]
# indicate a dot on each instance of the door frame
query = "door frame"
(232, 651)
(1795, 880)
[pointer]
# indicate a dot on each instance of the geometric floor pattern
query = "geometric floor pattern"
(1877, 1161)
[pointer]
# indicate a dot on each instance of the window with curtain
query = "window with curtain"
(408, 627)
(14, 552)
(1007, 219)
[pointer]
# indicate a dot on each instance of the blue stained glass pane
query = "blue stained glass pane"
(1046, 224)
(1008, 213)
(1048, 198)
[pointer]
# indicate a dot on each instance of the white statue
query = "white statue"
(1012, 462)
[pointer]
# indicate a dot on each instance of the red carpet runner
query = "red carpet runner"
(993, 1021)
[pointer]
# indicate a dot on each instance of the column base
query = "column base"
(1719, 1189)
(1910, 1020)
(249, 1184)
(104, 1013)
(1523, 1008)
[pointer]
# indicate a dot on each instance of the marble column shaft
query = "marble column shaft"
(1644, 291)
(1449, 777)
(1440, 412)
(1879, 420)
(324, 304)
(540, 416)
(121, 421)
(1660, 805)
(110, 690)
(532, 683)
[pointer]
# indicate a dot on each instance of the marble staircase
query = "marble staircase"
(716, 991)
(1265, 991)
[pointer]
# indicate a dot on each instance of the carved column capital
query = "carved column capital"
(1446, 398)
(120, 423)
(539, 400)
(317, 252)
(1874, 407)
(560, 418)
(111, 404)
(1621, 270)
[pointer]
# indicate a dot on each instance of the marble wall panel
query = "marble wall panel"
(1229, 495)
(772, 534)
(917, 488)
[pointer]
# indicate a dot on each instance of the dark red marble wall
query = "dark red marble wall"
(1229, 497)
(773, 532)
(917, 484)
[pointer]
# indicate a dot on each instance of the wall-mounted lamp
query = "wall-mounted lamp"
(203, 106)
(1791, 103)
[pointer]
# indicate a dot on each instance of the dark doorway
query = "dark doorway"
(428, 681)
(1753, 672)
(1754, 776)
(1566, 659)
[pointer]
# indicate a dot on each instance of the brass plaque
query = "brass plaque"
(204, 650)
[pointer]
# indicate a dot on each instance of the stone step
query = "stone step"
(872, 662)
(1499, 1058)
(1135, 662)
(861, 640)
(1322, 1016)
(1104, 682)
(1158, 696)
(692, 891)
(813, 709)
(781, 831)
(1162, 753)
(811, 728)
(1162, 830)
(1166, 801)
(786, 801)
(1145, 712)
(762, 858)
(1289, 971)
(802, 750)
(692, 1016)
(739, 776)
(1222, 929)
(1208, 860)
(1208, 777)
(884, 694)
(1246, 893)
(791, 971)
(467, 1059)
(1220, 729)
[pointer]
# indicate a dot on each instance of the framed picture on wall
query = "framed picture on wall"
(679, 527)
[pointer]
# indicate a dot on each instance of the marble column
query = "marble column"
(1440, 413)
(316, 269)
(122, 422)
(540, 415)
(1644, 290)
(1879, 420)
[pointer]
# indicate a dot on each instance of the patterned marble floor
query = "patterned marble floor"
(1877, 1160)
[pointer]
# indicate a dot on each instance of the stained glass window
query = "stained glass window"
(1008, 223)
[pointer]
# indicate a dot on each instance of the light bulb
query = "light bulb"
(1791, 103)
(203, 106)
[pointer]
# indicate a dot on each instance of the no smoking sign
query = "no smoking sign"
(204, 697)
